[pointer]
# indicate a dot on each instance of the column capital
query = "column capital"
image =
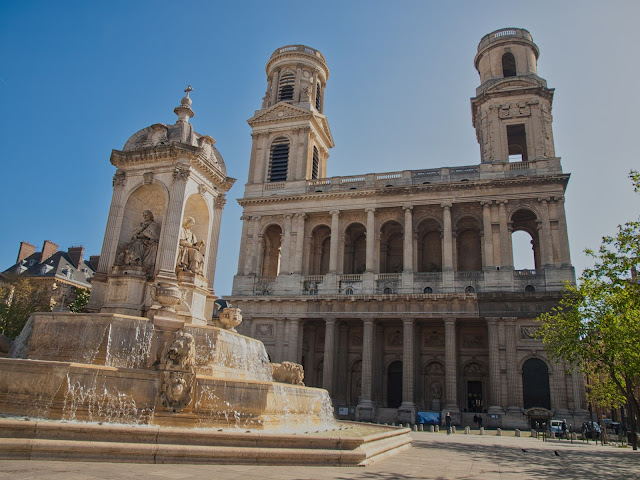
(446, 204)
(449, 320)
(334, 212)
(486, 203)
(501, 202)
(408, 321)
(245, 217)
(287, 216)
(543, 199)
(220, 202)
(256, 218)
(369, 210)
(492, 321)
(301, 215)
(407, 206)
(559, 198)
(119, 178)
(181, 173)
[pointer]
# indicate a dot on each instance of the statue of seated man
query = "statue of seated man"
(190, 259)
(143, 246)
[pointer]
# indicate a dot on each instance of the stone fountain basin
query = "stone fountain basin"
(98, 393)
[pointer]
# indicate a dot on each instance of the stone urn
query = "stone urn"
(168, 295)
(230, 318)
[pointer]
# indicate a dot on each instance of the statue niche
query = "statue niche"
(190, 258)
(142, 248)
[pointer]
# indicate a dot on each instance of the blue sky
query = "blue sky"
(78, 78)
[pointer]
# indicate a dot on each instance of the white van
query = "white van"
(556, 426)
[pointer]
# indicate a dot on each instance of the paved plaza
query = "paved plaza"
(432, 456)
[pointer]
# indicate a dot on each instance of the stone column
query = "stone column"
(114, 223)
(259, 256)
(214, 236)
(578, 390)
(505, 238)
(544, 233)
(275, 86)
(364, 411)
(242, 258)
(250, 268)
(559, 390)
(407, 247)
(510, 351)
(292, 353)
(279, 336)
(407, 411)
(565, 254)
(494, 367)
(450, 365)
(447, 241)
(333, 252)
(285, 255)
(311, 358)
(488, 233)
(329, 350)
(297, 266)
(172, 224)
(371, 239)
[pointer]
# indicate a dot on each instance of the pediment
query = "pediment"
(279, 112)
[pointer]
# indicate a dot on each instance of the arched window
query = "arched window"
(508, 65)
(286, 87)
(279, 161)
(524, 240)
(348, 291)
(469, 289)
(355, 246)
(427, 290)
(315, 167)
(271, 251)
(391, 247)
(318, 98)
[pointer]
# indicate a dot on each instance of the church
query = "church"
(397, 291)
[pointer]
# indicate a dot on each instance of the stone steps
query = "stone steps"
(46, 440)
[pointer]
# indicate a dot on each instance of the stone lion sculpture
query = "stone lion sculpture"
(287, 372)
(179, 354)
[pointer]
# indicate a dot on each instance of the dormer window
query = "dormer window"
(286, 87)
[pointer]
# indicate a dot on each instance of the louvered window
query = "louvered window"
(286, 86)
(279, 160)
(318, 102)
(316, 163)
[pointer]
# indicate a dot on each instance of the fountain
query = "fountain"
(149, 375)
(136, 390)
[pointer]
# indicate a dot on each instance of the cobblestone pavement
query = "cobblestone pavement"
(432, 456)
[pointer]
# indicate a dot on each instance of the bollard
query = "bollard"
(408, 425)
(533, 432)
(498, 432)
(517, 432)
(453, 429)
(437, 428)
(421, 427)
(466, 430)
(552, 435)
(431, 428)
(481, 430)
(415, 428)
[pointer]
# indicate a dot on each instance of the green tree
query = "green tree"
(81, 301)
(20, 298)
(597, 324)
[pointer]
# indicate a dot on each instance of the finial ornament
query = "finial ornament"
(188, 90)
(183, 111)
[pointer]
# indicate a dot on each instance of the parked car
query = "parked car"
(556, 427)
(586, 430)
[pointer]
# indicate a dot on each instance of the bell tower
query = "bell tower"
(512, 108)
(291, 136)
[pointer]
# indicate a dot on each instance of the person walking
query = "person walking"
(447, 421)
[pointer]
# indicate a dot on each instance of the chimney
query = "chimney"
(26, 249)
(94, 259)
(48, 249)
(76, 255)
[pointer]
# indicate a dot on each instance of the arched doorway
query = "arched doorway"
(320, 249)
(355, 241)
(391, 252)
(535, 384)
(271, 251)
(394, 384)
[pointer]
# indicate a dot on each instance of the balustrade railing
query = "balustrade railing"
(350, 278)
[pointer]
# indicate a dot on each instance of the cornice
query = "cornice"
(410, 189)
(201, 164)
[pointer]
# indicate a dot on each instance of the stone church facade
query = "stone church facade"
(396, 291)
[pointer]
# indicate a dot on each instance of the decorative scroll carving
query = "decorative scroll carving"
(527, 333)
(434, 340)
(264, 329)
